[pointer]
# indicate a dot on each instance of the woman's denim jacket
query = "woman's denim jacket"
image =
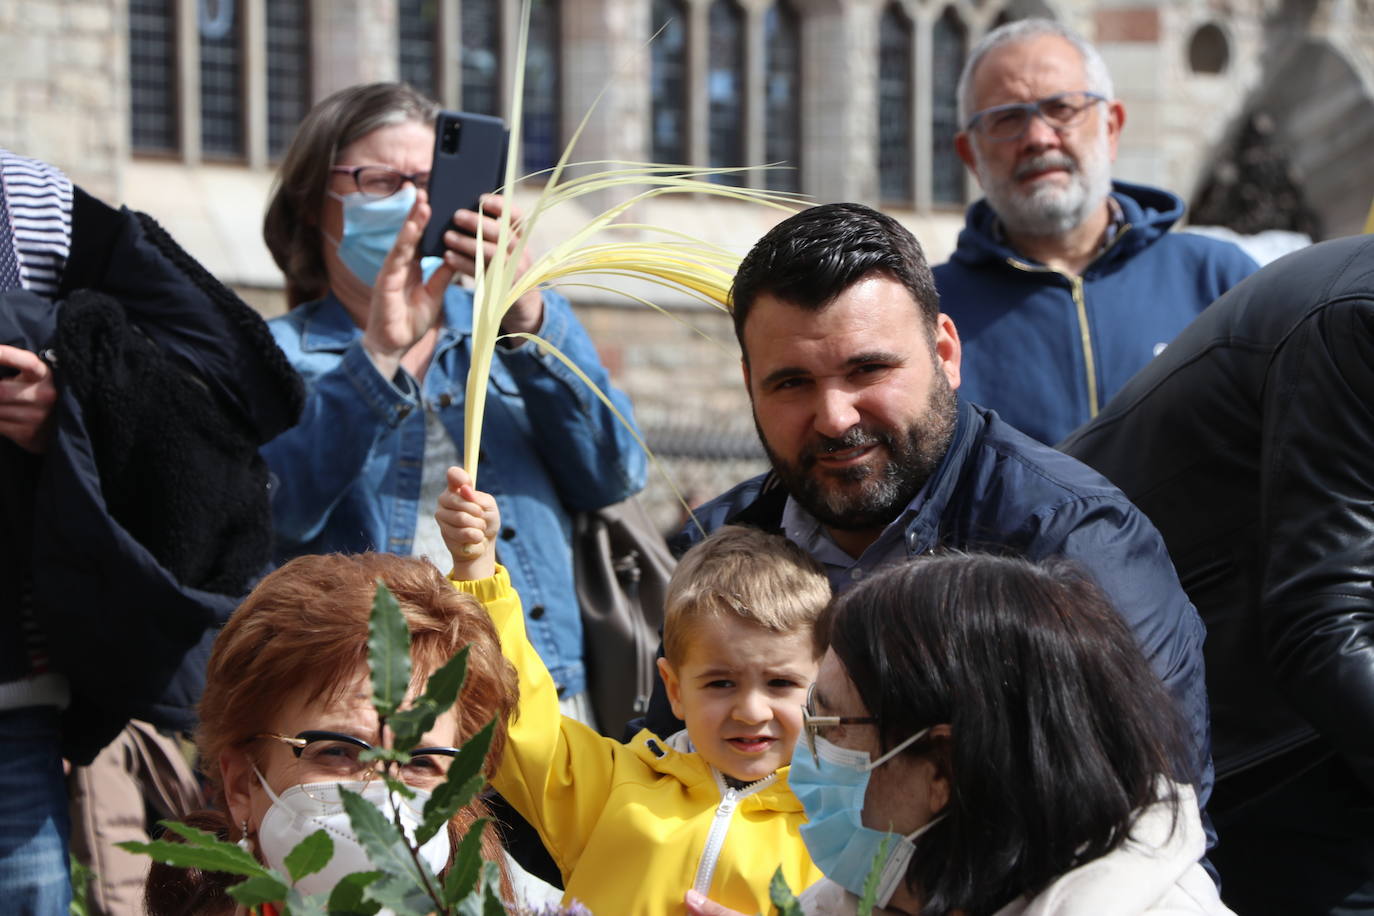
(347, 478)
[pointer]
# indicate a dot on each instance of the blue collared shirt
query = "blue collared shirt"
(892, 546)
(348, 476)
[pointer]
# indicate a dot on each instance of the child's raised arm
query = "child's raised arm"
(468, 520)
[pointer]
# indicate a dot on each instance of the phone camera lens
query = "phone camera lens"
(449, 141)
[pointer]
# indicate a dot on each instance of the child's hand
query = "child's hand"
(468, 520)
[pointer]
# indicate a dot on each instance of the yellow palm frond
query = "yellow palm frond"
(601, 251)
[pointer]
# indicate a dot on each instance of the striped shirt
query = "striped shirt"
(39, 200)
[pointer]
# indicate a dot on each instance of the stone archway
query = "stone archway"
(1298, 155)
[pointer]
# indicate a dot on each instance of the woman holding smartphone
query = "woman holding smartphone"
(383, 340)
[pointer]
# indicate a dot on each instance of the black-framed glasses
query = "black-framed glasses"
(812, 723)
(339, 756)
(1008, 122)
(380, 181)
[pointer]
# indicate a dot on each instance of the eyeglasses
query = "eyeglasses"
(339, 757)
(812, 723)
(378, 181)
(1008, 122)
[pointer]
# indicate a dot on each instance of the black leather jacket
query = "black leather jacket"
(1250, 444)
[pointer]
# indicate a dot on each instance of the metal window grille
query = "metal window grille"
(725, 89)
(668, 75)
(540, 130)
(704, 453)
(288, 71)
(947, 170)
(416, 40)
(782, 96)
(220, 24)
(894, 106)
(479, 40)
(152, 76)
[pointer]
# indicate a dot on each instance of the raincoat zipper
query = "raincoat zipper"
(1080, 303)
(720, 826)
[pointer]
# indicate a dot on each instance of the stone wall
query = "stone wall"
(63, 96)
(682, 371)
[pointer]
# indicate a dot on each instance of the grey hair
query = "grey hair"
(1094, 67)
(291, 227)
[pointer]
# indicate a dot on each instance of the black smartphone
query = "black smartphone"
(469, 161)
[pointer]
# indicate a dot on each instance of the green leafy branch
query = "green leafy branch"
(402, 882)
(788, 905)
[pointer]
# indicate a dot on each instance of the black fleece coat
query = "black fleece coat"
(150, 510)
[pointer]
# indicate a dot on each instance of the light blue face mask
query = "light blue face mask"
(370, 227)
(832, 792)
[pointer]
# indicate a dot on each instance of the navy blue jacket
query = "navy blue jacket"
(1046, 349)
(998, 490)
(148, 515)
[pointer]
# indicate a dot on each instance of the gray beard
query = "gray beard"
(1050, 211)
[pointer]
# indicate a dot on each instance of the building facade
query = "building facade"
(1259, 111)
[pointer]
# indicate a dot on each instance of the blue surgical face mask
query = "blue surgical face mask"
(370, 227)
(832, 792)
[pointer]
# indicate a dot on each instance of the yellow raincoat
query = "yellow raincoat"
(634, 826)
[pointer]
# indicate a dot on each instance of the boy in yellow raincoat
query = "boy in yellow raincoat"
(635, 826)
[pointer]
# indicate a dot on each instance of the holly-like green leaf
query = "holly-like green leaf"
(397, 786)
(782, 895)
(401, 895)
(205, 840)
(461, 878)
(464, 780)
(409, 724)
(492, 905)
(81, 881)
(310, 855)
(441, 692)
(380, 838)
(384, 753)
(869, 898)
(450, 795)
(388, 652)
(347, 898)
(443, 685)
(485, 900)
(259, 890)
(205, 858)
(298, 904)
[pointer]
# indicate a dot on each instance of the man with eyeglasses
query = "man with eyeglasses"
(1064, 283)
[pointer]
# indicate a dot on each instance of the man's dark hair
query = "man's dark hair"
(810, 258)
(1059, 730)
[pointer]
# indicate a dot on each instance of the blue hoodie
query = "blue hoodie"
(1047, 349)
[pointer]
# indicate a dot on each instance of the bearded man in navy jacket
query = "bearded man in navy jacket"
(1064, 283)
(853, 372)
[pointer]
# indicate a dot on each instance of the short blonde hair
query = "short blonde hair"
(748, 574)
